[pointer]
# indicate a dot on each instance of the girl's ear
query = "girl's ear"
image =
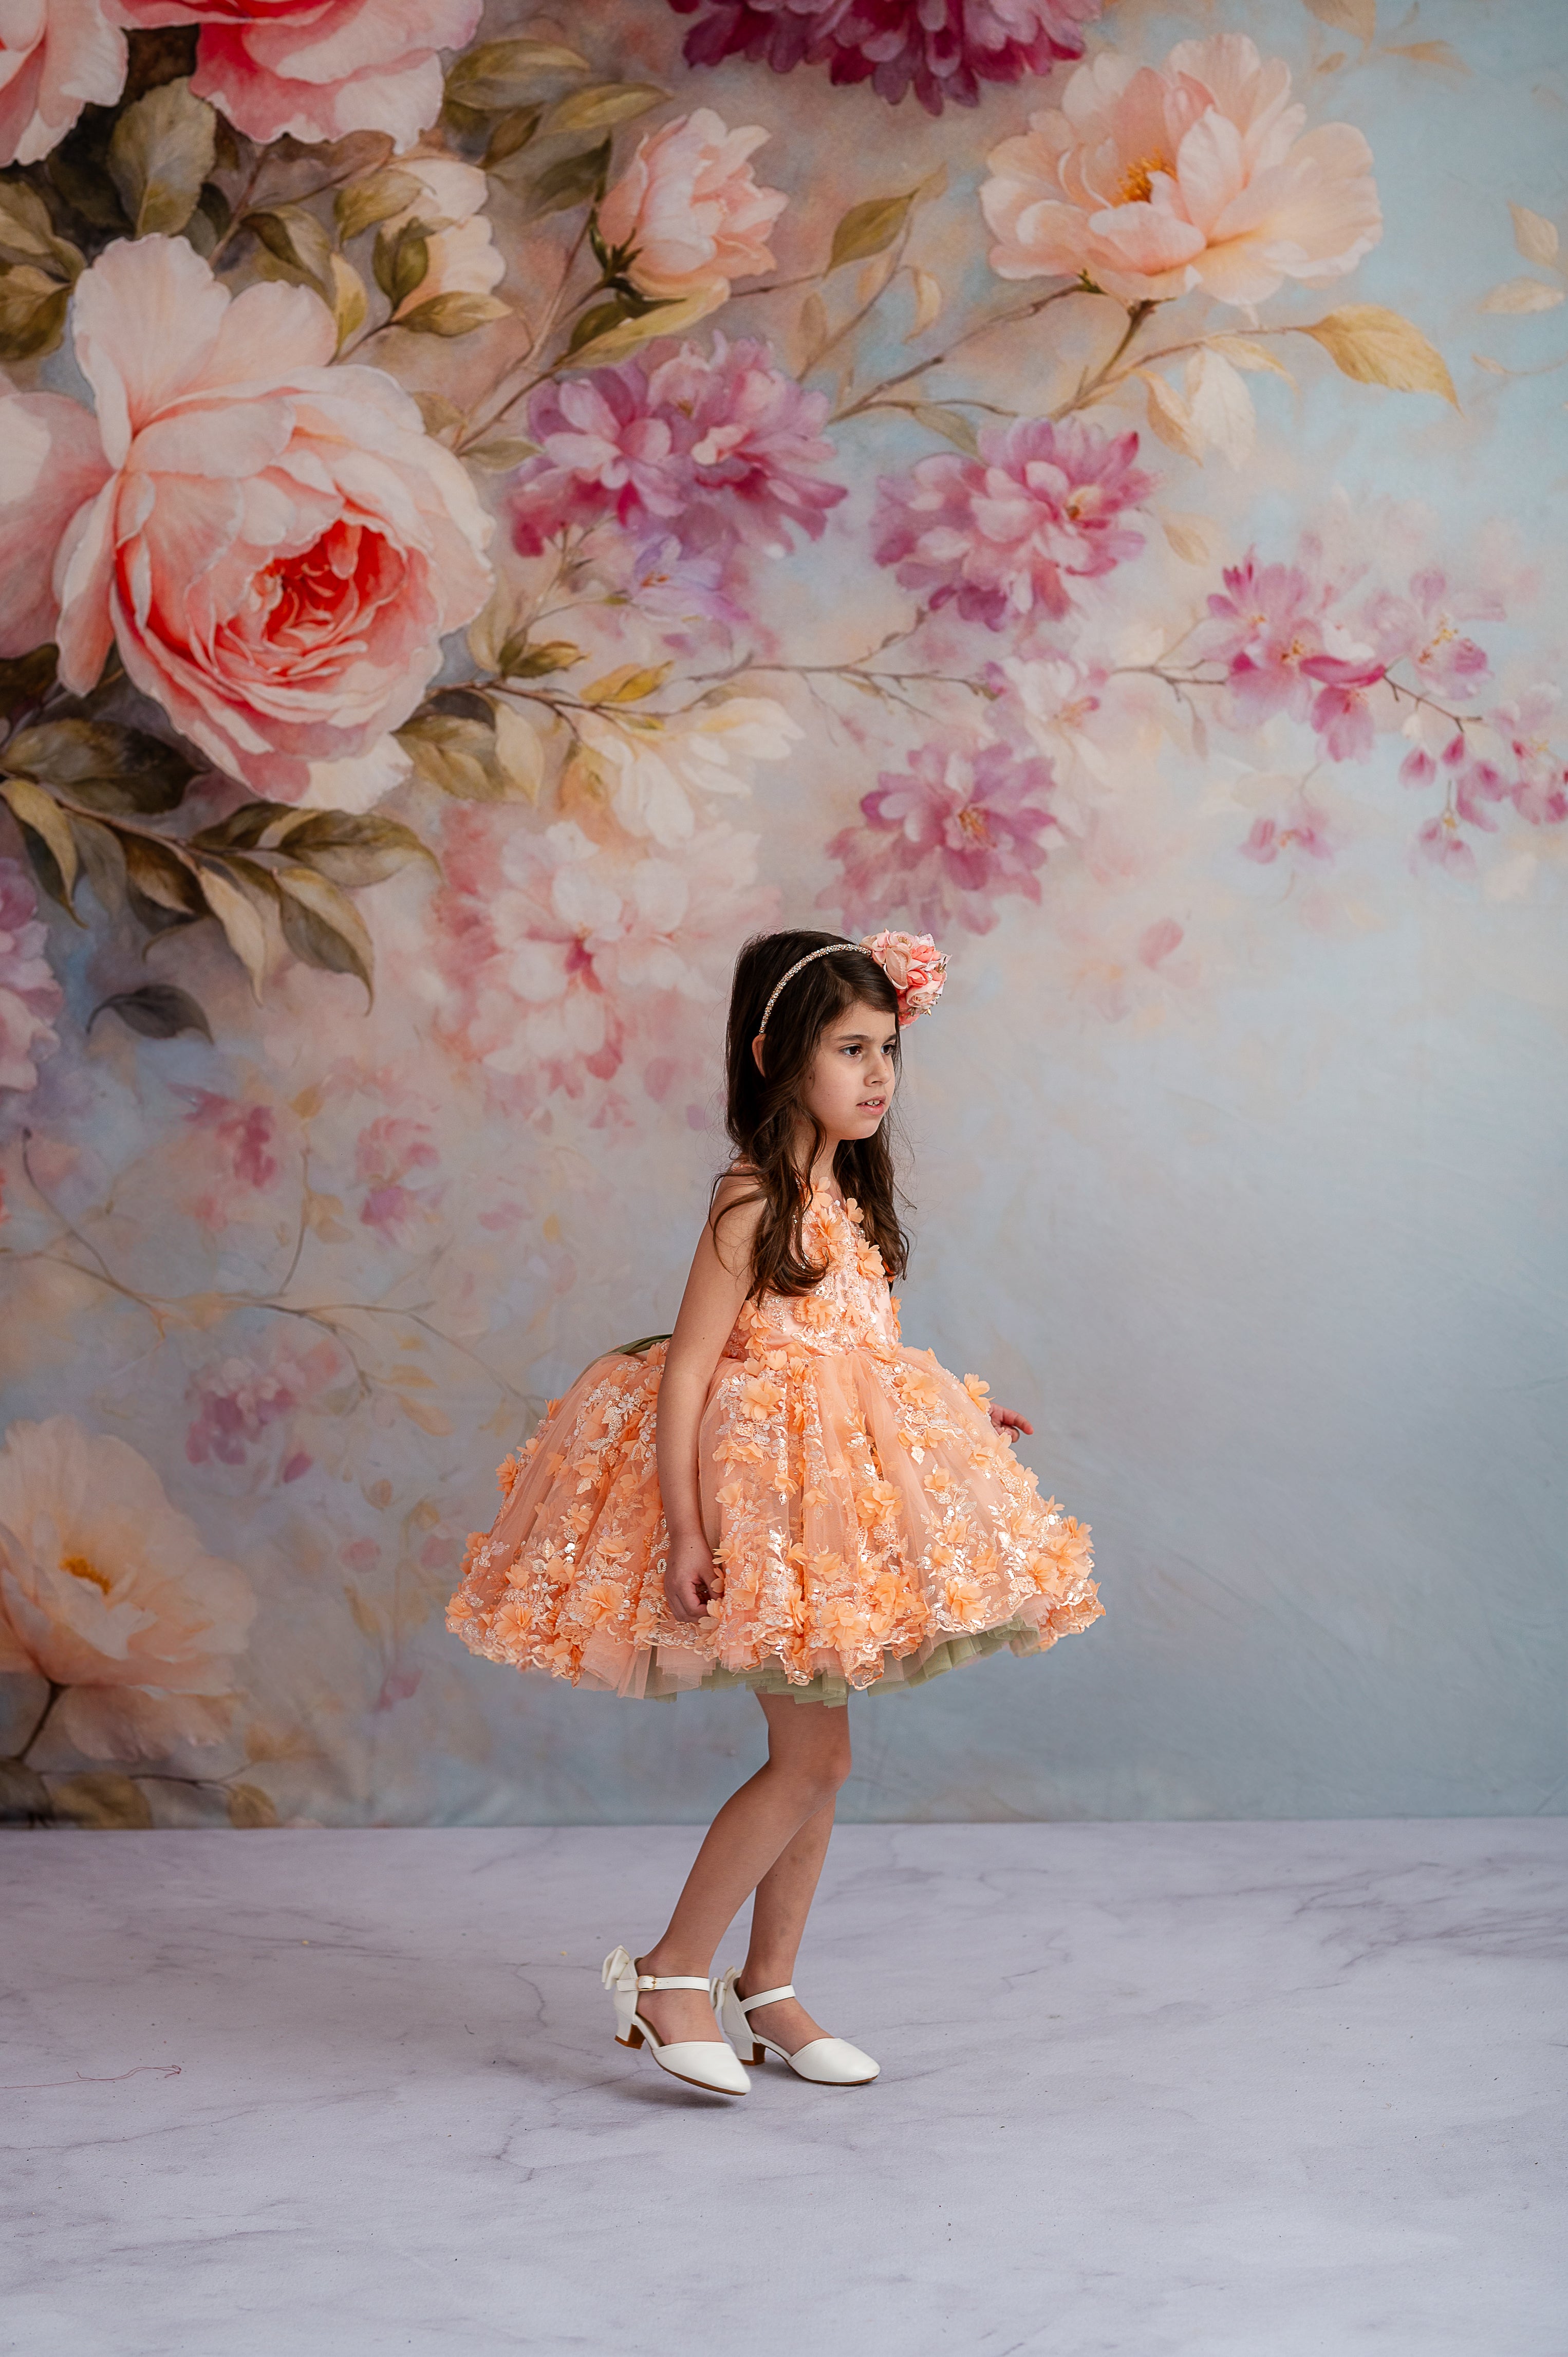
(756, 1055)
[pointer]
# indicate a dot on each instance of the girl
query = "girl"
(777, 1495)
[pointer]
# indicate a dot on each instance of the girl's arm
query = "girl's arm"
(715, 1290)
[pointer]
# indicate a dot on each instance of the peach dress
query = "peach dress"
(873, 1526)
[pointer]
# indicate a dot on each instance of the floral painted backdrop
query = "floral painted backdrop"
(493, 513)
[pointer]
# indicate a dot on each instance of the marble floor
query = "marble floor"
(1210, 2090)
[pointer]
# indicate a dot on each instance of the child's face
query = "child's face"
(853, 1074)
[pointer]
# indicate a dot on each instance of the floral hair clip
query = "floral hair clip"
(912, 963)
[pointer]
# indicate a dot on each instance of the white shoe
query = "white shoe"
(828, 2061)
(701, 2061)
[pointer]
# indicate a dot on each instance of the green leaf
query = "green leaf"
(351, 848)
(365, 203)
(237, 892)
(243, 828)
(25, 678)
(103, 764)
(950, 423)
(595, 322)
(456, 755)
(523, 661)
(511, 134)
(32, 312)
(163, 890)
(402, 261)
(454, 315)
(248, 1807)
(23, 1795)
(869, 228)
(27, 225)
(104, 1802)
(298, 243)
(499, 457)
(39, 814)
(502, 74)
(162, 150)
(577, 179)
(158, 1011)
(598, 108)
(322, 926)
(1379, 346)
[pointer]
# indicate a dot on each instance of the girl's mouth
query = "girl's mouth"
(872, 1105)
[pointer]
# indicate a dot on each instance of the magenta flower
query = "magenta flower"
(387, 1153)
(717, 449)
(942, 48)
(945, 837)
(1005, 533)
(1267, 621)
(236, 1399)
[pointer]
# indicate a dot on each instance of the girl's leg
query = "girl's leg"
(807, 1759)
(779, 1915)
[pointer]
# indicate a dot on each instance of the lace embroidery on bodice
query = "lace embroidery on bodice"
(851, 1309)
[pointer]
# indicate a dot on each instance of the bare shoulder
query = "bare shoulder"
(739, 1205)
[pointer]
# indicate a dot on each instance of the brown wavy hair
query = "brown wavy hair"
(764, 1109)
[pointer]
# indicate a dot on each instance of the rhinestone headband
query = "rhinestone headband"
(912, 963)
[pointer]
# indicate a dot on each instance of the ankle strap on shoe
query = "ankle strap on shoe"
(670, 1980)
(763, 1997)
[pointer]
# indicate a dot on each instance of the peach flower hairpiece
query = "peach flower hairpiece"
(912, 963)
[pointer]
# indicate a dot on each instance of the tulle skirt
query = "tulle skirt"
(873, 1528)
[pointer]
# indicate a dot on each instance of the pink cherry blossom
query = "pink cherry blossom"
(1150, 181)
(943, 50)
(720, 449)
(1539, 772)
(314, 69)
(277, 547)
(687, 212)
(243, 1134)
(1439, 844)
(1421, 626)
(237, 1398)
(55, 56)
(945, 837)
(1341, 709)
(1004, 535)
(30, 998)
(1273, 628)
(1300, 832)
(564, 959)
(387, 1154)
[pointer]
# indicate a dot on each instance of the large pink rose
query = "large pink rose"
(1199, 174)
(55, 56)
(316, 68)
(277, 547)
(690, 209)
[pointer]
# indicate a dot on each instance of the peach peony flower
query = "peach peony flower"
(462, 257)
(316, 68)
(55, 56)
(106, 1590)
(690, 210)
(1151, 180)
(277, 546)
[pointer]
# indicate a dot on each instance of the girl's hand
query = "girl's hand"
(692, 1579)
(1005, 1421)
